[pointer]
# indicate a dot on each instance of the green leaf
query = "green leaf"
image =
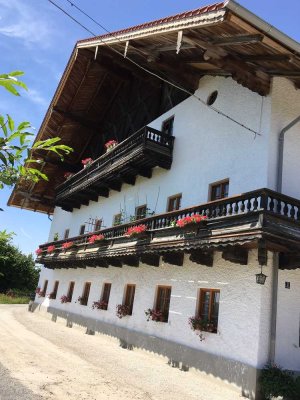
(3, 159)
(11, 123)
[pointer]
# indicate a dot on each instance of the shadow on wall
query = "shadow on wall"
(234, 372)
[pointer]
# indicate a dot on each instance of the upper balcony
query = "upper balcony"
(137, 155)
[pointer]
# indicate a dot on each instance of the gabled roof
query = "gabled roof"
(100, 85)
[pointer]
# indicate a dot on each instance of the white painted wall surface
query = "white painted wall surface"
(288, 320)
(208, 148)
(243, 304)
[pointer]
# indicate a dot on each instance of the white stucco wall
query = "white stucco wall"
(243, 316)
(288, 320)
(208, 148)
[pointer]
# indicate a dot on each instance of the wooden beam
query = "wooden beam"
(132, 261)
(202, 257)
(174, 258)
(237, 40)
(285, 73)
(150, 259)
(76, 118)
(128, 179)
(289, 260)
(266, 57)
(114, 262)
(237, 255)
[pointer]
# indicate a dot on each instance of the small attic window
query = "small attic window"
(212, 98)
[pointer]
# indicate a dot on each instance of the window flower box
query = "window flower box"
(41, 294)
(122, 311)
(100, 305)
(50, 249)
(190, 220)
(154, 315)
(96, 238)
(200, 325)
(65, 299)
(52, 295)
(136, 231)
(38, 290)
(38, 252)
(68, 245)
(110, 145)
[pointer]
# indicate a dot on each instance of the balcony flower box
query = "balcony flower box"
(136, 231)
(122, 311)
(110, 145)
(51, 249)
(154, 315)
(38, 252)
(68, 175)
(65, 299)
(96, 238)
(100, 305)
(191, 220)
(68, 245)
(86, 162)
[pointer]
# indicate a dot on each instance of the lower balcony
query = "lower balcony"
(137, 155)
(261, 219)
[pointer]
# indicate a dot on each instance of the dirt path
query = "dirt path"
(40, 359)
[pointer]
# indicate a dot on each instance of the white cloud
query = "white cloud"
(24, 233)
(36, 97)
(25, 22)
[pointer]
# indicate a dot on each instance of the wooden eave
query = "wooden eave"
(216, 42)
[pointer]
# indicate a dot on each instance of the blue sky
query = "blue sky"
(38, 39)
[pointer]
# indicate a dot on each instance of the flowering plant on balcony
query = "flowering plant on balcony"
(38, 252)
(200, 325)
(137, 230)
(65, 299)
(96, 238)
(189, 220)
(51, 249)
(122, 310)
(68, 245)
(154, 315)
(86, 162)
(38, 290)
(110, 145)
(41, 293)
(68, 175)
(100, 305)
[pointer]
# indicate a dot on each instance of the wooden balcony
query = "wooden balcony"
(261, 219)
(137, 155)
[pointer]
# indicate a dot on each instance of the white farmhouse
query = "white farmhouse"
(181, 197)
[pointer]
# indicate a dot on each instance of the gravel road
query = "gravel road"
(40, 359)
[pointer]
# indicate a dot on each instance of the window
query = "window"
(44, 291)
(129, 297)
(219, 190)
(167, 126)
(162, 303)
(81, 230)
(70, 291)
(174, 202)
(105, 295)
(98, 223)
(117, 219)
(67, 232)
(140, 212)
(54, 291)
(85, 294)
(208, 308)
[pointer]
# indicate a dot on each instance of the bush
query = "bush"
(275, 381)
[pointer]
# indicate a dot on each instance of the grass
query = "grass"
(13, 300)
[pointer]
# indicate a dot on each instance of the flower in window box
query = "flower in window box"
(50, 249)
(200, 325)
(38, 252)
(135, 231)
(100, 305)
(154, 315)
(86, 162)
(68, 175)
(41, 293)
(65, 299)
(68, 245)
(110, 145)
(122, 310)
(96, 238)
(38, 290)
(52, 295)
(190, 220)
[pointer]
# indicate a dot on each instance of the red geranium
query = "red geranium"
(50, 249)
(68, 175)
(110, 144)
(67, 245)
(86, 161)
(194, 219)
(96, 238)
(38, 251)
(135, 230)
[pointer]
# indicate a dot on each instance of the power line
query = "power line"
(143, 68)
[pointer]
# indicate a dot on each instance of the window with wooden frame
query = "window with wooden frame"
(67, 233)
(167, 126)
(54, 291)
(98, 223)
(70, 291)
(162, 301)
(85, 294)
(117, 219)
(82, 230)
(140, 212)
(174, 202)
(129, 297)
(105, 295)
(219, 190)
(208, 308)
(44, 291)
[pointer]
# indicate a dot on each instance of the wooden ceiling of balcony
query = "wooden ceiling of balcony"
(102, 95)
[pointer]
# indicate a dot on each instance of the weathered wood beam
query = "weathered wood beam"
(65, 166)
(115, 262)
(285, 73)
(237, 40)
(289, 260)
(132, 261)
(174, 258)
(237, 255)
(145, 172)
(150, 259)
(262, 253)
(91, 194)
(128, 179)
(76, 118)
(265, 57)
(202, 257)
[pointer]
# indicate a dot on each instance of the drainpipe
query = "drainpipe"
(280, 152)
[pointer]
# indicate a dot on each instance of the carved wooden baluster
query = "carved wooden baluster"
(271, 204)
(242, 206)
(236, 207)
(278, 207)
(292, 212)
(223, 210)
(285, 209)
(255, 203)
(298, 214)
(230, 209)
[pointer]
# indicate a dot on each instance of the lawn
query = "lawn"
(4, 299)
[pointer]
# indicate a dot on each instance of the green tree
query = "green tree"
(17, 270)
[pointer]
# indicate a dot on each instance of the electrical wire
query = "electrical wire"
(145, 69)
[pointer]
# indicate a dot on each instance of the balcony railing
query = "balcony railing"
(229, 212)
(136, 155)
